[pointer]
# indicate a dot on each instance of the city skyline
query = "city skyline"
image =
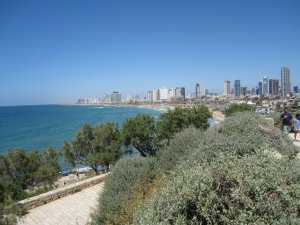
(61, 51)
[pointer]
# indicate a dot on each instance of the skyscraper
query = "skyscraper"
(180, 92)
(244, 91)
(265, 86)
(226, 87)
(260, 87)
(285, 81)
(198, 95)
(150, 96)
(295, 89)
(115, 97)
(275, 87)
(237, 88)
(270, 87)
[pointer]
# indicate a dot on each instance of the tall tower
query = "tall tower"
(275, 87)
(265, 86)
(237, 88)
(198, 95)
(285, 81)
(270, 86)
(260, 87)
(226, 87)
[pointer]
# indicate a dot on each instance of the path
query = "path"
(70, 210)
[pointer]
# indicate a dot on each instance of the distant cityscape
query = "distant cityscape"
(266, 87)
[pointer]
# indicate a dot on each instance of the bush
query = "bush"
(229, 190)
(125, 189)
(223, 176)
(179, 119)
(238, 108)
(253, 130)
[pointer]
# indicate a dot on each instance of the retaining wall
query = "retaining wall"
(44, 198)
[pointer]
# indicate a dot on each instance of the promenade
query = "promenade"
(74, 209)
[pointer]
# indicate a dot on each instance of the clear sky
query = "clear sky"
(56, 51)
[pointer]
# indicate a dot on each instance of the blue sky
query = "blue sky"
(57, 51)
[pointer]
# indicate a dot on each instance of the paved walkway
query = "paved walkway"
(73, 209)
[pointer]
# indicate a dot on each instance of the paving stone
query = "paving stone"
(73, 209)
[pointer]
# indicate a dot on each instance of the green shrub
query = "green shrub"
(252, 129)
(179, 119)
(179, 147)
(129, 178)
(277, 120)
(229, 190)
(238, 108)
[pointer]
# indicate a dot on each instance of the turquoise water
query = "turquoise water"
(38, 127)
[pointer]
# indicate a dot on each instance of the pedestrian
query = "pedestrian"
(296, 126)
(286, 119)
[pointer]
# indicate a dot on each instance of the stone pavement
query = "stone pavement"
(73, 209)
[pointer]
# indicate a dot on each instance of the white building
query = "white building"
(226, 87)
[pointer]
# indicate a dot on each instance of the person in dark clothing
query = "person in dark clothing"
(286, 119)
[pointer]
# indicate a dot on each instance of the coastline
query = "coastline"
(216, 115)
(160, 107)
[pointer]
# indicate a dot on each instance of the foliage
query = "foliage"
(129, 178)
(180, 147)
(254, 132)
(229, 190)
(277, 120)
(93, 146)
(178, 119)
(20, 170)
(225, 176)
(233, 108)
(139, 132)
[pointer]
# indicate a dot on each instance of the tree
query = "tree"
(93, 146)
(199, 116)
(139, 132)
(178, 119)
(17, 162)
(49, 168)
(238, 108)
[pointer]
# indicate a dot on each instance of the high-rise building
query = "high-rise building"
(163, 94)
(295, 89)
(237, 88)
(259, 89)
(115, 97)
(149, 96)
(275, 87)
(156, 97)
(243, 91)
(180, 92)
(198, 95)
(206, 92)
(270, 91)
(226, 87)
(265, 86)
(285, 81)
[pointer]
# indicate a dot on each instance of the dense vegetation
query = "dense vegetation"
(227, 175)
(20, 170)
(93, 146)
(233, 108)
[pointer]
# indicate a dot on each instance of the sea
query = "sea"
(38, 127)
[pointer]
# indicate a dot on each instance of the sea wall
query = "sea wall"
(58, 193)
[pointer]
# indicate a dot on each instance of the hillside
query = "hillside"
(219, 176)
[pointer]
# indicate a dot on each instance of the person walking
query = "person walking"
(286, 119)
(296, 126)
